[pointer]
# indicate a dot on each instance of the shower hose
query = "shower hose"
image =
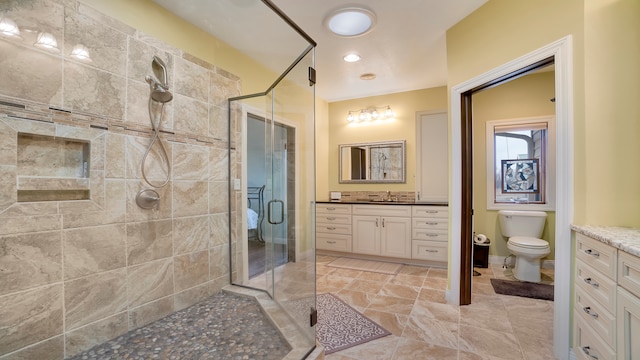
(155, 127)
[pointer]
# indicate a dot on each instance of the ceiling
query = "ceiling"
(406, 50)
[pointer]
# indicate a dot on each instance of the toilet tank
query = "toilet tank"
(521, 223)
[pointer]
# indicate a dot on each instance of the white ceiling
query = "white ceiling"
(406, 50)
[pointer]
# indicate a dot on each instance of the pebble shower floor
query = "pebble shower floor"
(224, 326)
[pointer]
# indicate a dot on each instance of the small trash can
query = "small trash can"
(481, 255)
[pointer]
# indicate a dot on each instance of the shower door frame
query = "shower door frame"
(262, 114)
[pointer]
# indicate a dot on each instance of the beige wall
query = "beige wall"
(605, 87)
(527, 96)
(405, 105)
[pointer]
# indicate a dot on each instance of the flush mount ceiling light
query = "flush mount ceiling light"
(350, 22)
(367, 76)
(351, 57)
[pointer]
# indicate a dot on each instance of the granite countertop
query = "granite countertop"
(625, 239)
(380, 202)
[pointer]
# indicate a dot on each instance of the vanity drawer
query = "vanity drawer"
(333, 219)
(333, 242)
(587, 345)
(432, 223)
(596, 254)
(331, 228)
(382, 210)
(430, 211)
(429, 250)
(333, 209)
(599, 287)
(429, 235)
(629, 272)
(602, 322)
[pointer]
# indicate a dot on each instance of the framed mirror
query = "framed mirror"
(374, 162)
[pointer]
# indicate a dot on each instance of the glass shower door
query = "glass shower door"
(280, 155)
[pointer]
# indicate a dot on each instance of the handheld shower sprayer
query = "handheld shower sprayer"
(159, 90)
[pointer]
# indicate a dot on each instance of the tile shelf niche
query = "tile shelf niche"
(52, 168)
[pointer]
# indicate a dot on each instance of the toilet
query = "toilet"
(523, 228)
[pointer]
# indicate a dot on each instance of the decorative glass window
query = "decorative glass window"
(519, 164)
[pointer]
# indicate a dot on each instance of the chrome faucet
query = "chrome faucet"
(389, 196)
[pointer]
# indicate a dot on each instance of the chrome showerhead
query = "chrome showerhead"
(159, 92)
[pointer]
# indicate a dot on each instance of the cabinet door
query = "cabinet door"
(366, 234)
(395, 237)
(628, 320)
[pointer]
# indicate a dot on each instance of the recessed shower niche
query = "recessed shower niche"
(52, 168)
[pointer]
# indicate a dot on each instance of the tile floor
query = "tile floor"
(411, 304)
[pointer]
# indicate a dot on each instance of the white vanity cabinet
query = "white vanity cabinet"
(429, 233)
(607, 302)
(628, 307)
(382, 230)
(595, 299)
(333, 227)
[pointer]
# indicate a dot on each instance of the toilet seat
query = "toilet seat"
(527, 242)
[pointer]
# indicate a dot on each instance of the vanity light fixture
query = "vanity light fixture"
(350, 21)
(9, 28)
(370, 114)
(47, 41)
(80, 52)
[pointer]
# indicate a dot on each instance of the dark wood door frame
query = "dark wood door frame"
(466, 221)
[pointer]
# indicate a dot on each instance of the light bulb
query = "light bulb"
(388, 113)
(350, 117)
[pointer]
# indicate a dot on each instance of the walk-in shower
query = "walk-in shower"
(160, 111)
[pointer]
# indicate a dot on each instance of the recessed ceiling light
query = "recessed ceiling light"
(351, 57)
(350, 22)
(368, 76)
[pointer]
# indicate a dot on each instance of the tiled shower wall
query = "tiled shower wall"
(76, 273)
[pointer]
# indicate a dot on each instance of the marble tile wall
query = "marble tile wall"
(76, 273)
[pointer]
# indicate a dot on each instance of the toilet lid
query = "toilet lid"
(528, 242)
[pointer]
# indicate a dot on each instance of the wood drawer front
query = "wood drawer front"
(433, 223)
(333, 242)
(629, 273)
(333, 218)
(595, 315)
(429, 235)
(329, 228)
(333, 209)
(599, 287)
(430, 211)
(587, 345)
(382, 210)
(598, 255)
(429, 250)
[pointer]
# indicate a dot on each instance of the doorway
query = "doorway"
(280, 247)
(461, 200)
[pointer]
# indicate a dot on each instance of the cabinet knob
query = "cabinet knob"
(330, 242)
(331, 218)
(330, 228)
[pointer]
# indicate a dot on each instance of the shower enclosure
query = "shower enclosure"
(83, 261)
